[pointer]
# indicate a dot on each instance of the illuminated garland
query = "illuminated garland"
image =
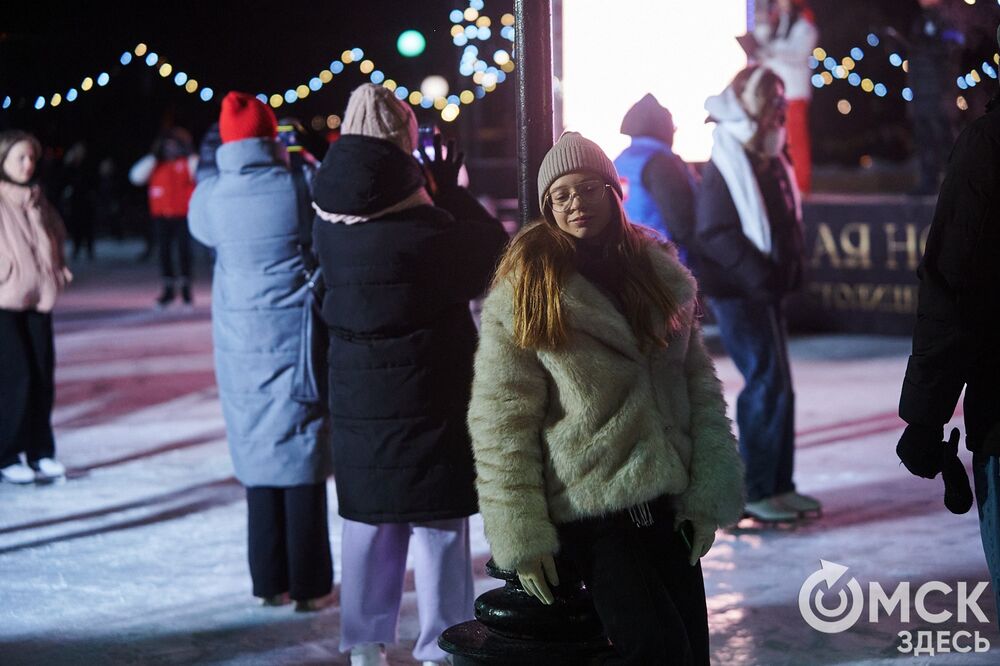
(468, 25)
(843, 70)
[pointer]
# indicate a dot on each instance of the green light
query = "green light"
(411, 43)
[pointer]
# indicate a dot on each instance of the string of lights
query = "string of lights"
(141, 53)
(843, 70)
(469, 25)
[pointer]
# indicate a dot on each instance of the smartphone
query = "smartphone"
(426, 134)
(686, 531)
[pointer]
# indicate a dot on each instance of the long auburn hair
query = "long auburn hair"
(540, 259)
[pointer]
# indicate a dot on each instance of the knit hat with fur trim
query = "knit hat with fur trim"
(375, 111)
(244, 116)
(574, 152)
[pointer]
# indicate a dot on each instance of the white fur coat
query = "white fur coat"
(598, 426)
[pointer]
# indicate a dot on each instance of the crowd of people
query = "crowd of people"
(583, 419)
(587, 422)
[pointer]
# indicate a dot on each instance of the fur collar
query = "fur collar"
(591, 313)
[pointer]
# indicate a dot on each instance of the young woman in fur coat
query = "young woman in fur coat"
(598, 424)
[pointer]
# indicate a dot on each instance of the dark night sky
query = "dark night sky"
(256, 46)
(47, 46)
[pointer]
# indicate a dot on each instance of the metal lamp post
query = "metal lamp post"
(511, 626)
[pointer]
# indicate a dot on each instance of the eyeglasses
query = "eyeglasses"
(590, 192)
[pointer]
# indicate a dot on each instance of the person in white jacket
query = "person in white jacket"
(786, 41)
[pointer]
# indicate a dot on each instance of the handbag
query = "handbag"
(310, 378)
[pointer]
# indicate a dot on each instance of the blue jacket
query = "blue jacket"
(659, 189)
(248, 214)
(639, 204)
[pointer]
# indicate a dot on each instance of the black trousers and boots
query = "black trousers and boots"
(171, 233)
(289, 542)
(27, 386)
(651, 601)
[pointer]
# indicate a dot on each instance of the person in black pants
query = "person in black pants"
(27, 391)
(289, 548)
(640, 575)
(598, 424)
(32, 273)
(169, 171)
(250, 214)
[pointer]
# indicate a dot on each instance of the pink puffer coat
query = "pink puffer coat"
(32, 266)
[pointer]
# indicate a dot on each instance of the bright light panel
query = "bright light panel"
(679, 50)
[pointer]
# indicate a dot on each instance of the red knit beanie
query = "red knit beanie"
(244, 116)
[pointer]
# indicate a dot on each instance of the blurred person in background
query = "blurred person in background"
(77, 200)
(750, 248)
(785, 42)
(658, 186)
(32, 273)
(207, 165)
(930, 45)
(169, 172)
(108, 212)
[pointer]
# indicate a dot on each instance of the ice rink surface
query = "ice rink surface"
(139, 557)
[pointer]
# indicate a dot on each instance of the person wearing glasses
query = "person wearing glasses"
(748, 234)
(598, 424)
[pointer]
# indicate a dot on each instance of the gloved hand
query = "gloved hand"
(699, 537)
(957, 493)
(921, 450)
(533, 575)
(442, 171)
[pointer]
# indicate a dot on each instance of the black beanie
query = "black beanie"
(648, 117)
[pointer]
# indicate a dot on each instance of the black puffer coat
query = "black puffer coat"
(401, 334)
(956, 341)
(728, 264)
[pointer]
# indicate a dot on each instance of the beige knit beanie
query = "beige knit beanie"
(375, 111)
(573, 152)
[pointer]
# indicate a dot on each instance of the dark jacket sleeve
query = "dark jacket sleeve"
(668, 182)
(478, 241)
(951, 303)
(720, 241)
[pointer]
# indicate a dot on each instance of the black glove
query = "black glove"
(442, 171)
(921, 450)
(957, 493)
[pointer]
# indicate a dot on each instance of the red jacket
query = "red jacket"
(170, 188)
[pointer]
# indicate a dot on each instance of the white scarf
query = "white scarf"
(734, 129)
(418, 198)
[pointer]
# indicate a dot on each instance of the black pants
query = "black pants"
(289, 541)
(650, 600)
(27, 386)
(171, 232)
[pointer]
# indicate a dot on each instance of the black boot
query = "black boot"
(166, 296)
(186, 293)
